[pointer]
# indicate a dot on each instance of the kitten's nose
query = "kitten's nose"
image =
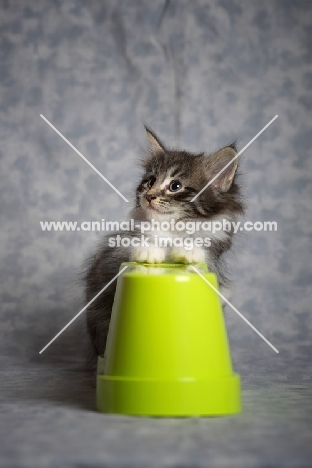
(149, 198)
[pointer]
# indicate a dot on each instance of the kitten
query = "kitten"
(171, 179)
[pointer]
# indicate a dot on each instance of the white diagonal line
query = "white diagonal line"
(235, 157)
(83, 157)
(82, 310)
(235, 310)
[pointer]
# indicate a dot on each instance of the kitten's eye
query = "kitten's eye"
(175, 185)
(151, 181)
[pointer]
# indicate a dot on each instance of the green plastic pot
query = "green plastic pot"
(167, 351)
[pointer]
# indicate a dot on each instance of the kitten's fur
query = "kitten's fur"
(154, 200)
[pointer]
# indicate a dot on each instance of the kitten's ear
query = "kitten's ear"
(154, 143)
(217, 162)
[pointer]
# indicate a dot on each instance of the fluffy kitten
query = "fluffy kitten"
(171, 179)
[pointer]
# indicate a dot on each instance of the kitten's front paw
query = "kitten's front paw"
(180, 255)
(148, 255)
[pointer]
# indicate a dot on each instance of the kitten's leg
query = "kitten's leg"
(181, 255)
(150, 254)
(226, 291)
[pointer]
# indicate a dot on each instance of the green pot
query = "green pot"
(167, 351)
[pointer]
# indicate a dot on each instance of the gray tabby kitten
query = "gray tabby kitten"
(171, 179)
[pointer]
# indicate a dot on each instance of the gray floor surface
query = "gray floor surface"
(48, 419)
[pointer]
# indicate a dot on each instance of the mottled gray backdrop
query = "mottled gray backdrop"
(201, 74)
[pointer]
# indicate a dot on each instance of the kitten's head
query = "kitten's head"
(172, 178)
